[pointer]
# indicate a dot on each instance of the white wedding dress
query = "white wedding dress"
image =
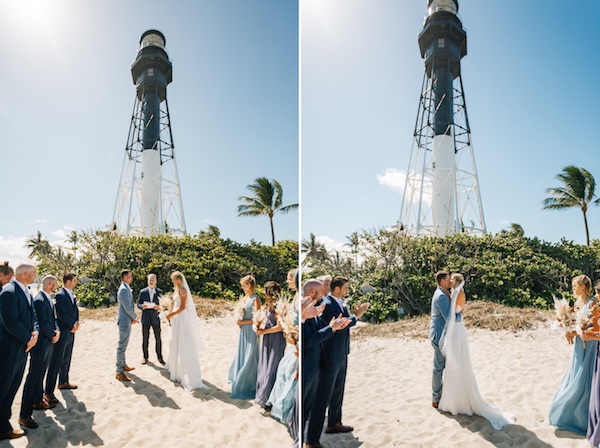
(183, 361)
(460, 394)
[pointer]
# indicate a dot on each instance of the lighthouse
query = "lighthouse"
(441, 194)
(149, 195)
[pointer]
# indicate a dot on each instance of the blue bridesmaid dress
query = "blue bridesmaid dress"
(570, 407)
(244, 369)
(281, 399)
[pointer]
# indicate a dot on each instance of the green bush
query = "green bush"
(93, 295)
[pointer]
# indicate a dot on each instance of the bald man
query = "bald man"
(18, 335)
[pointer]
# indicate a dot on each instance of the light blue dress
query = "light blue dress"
(281, 398)
(244, 369)
(570, 407)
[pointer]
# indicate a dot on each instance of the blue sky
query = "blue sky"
(530, 80)
(66, 97)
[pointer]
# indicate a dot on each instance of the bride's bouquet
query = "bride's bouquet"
(259, 319)
(240, 309)
(166, 305)
(565, 315)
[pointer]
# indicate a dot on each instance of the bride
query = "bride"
(183, 362)
(460, 394)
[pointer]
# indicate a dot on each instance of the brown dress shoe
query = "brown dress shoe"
(66, 386)
(122, 377)
(127, 368)
(41, 406)
(13, 434)
(338, 427)
(28, 423)
(434, 404)
(51, 399)
(145, 361)
(49, 405)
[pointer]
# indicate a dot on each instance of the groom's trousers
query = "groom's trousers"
(439, 363)
(124, 333)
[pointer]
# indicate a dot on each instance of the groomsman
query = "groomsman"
(126, 316)
(314, 333)
(330, 390)
(40, 354)
(67, 315)
(151, 294)
(18, 335)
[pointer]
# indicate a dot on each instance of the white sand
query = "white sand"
(150, 411)
(388, 393)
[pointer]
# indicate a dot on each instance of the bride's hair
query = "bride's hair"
(272, 294)
(458, 278)
(178, 275)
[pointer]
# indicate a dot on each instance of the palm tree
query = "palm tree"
(267, 200)
(354, 245)
(39, 245)
(578, 191)
(314, 250)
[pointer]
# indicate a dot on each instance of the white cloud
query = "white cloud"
(394, 179)
(60, 234)
(41, 221)
(332, 245)
(209, 222)
(13, 249)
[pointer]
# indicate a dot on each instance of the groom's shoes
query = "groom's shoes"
(434, 404)
(127, 368)
(66, 385)
(338, 427)
(122, 377)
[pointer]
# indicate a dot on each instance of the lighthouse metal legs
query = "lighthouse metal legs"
(441, 194)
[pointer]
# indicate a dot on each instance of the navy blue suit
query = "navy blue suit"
(150, 319)
(17, 321)
(67, 314)
(330, 390)
(314, 333)
(40, 354)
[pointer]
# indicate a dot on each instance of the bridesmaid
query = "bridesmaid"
(593, 428)
(272, 347)
(570, 406)
(243, 370)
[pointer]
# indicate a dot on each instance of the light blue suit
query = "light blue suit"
(440, 312)
(126, 314)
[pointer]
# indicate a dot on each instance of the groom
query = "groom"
(148, 302)
(440, 312)
(125, 318)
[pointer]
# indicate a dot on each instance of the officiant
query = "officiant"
(149, 303)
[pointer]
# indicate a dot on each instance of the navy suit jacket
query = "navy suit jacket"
(314, 333)
(67, 312)
(17, 318)
(149, 316)
(46, 317)
(338, 347)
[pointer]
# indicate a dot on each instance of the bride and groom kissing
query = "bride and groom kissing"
(454, 386)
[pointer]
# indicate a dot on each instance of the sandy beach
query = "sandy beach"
(388, 392)
(387, 396)
(150, 411)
